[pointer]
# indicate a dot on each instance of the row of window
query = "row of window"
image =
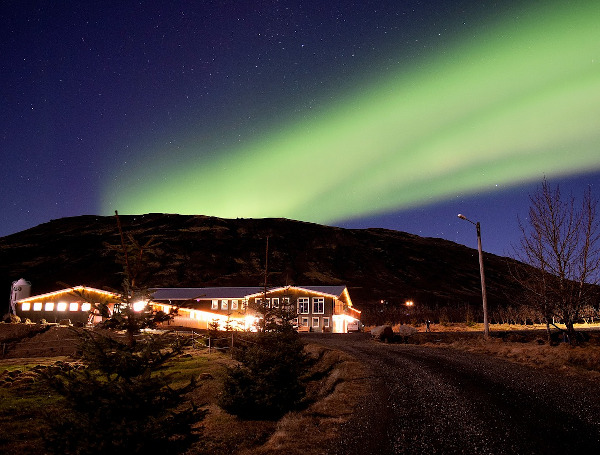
(315, 322)
(318, 304)
(60, 306)
(225, 305)
(274, 302)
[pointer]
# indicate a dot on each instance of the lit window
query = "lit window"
(61, 306)
(315, 322)
(215, 305)
(139, 305)
(49, 306)
(304, 322)
(234, 304)
(224, 305)
(325, 322)
(73, 306)
(37, 306)
(86, 306)
(26, 306)
(275, 302)
(303, 305)
(258, 302)
(318, 305)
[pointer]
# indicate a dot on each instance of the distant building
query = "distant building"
(318, 308)
(72, 304)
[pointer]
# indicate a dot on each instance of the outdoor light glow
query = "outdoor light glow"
(139, 305)
(250, 322)
(344, 317)
(520, 99)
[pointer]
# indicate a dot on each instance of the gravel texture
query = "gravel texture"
(427, 400)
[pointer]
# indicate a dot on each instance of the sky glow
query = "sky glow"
(517, 101)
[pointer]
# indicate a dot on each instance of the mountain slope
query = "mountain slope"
(375, 264)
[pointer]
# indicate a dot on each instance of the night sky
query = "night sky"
(394, 114)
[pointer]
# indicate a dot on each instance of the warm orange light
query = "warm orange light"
(139, 306)
(409, 303)
(69, 291)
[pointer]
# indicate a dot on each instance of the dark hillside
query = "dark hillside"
(194, 251)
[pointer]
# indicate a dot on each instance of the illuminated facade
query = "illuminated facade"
(318, 308)
(73, 304)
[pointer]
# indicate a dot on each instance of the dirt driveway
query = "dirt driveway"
(427, 400)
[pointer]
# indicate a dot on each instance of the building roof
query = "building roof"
(203, 293)
(182, 294)
(79, 291)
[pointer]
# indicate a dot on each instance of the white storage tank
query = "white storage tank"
(21, 289)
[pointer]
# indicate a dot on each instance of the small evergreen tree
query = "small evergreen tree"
(268, 381)
(119, 403)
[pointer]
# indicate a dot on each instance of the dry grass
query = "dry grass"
(337, 381)
(341, 382)
(581, 360)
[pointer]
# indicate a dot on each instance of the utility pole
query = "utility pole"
(486, 325)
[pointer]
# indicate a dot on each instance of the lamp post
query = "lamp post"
(486, 326)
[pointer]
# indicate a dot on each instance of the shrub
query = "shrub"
(119, 403)
(13, 319)
(268, 382)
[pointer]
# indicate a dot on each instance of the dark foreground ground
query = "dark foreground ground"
(427, 400)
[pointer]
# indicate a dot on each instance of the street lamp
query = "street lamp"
(486, 326)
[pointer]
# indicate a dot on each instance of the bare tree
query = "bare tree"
(561, 242)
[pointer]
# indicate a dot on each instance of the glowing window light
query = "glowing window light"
(139, 305)
(61, 306)
(26, 306)
(73, 306)
(49, 306)
(86, 306)
(37, 306)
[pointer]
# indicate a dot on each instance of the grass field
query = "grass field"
(26, 404)
(338, 381)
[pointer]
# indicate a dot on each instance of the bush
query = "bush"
(383, 333)
(12, 319)
(119, 403)
(268, 382)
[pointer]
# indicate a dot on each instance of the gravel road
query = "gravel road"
(428, 400)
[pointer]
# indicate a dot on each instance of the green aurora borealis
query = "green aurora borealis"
(518, 100)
